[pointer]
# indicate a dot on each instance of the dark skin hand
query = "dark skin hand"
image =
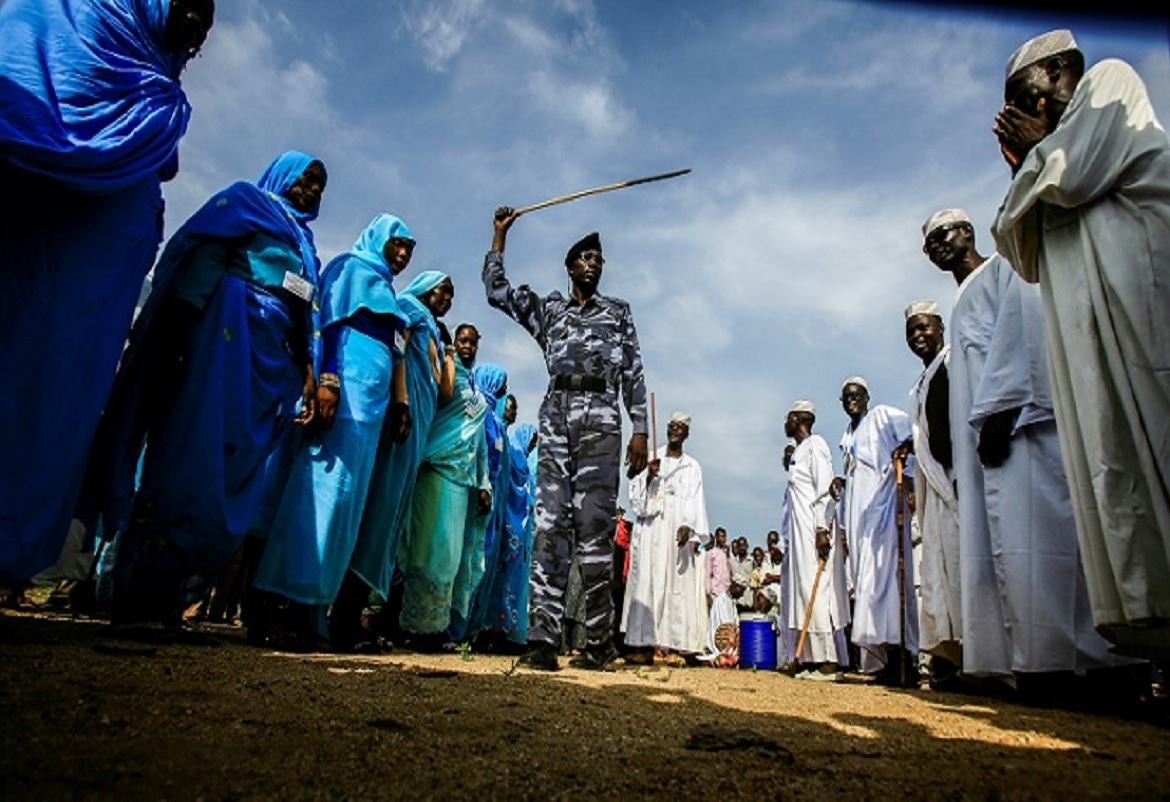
(837, 487)
(903, 450)
(824, 544)
(1019, 132)
(684, 534)
(995, 438)
(327, 399)
(483, 504)
(400, 421)
(308, 400)
(636, 455)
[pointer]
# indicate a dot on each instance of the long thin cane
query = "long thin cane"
(572, 196)
(812, 597)
(900, 519)
(653, 429)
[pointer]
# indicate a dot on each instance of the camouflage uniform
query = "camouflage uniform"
(580, 455)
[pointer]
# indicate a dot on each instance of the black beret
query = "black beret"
(589, 242)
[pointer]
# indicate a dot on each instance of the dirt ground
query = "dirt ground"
(87, 716)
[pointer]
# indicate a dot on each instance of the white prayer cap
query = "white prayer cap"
(922, 308)
(681, 417)
(801, 405)
(1040, 48)
(858, 380)
(944, 217)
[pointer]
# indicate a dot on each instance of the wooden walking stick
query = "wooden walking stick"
(812, 597)
(653, 429)
(900, 519)
(572, 196)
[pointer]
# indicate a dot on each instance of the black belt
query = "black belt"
(577, 381)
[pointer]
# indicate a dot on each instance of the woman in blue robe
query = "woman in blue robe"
(91, 113)
(429, 368)
(217, 365)
(452, 499)
(508, 607)
(361, 390)
(492, 382)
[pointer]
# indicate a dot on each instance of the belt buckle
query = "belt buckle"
(575, 381)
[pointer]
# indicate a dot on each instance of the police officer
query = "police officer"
(591, 351)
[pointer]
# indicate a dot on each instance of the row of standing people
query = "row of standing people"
(351, 439)
(1038, 434)
(258, 393)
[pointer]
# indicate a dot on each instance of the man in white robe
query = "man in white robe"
(666, 603)
(779, 591)
(810, 556)
(1024, 605)
(1087, 216)
(936, 509)
(885, 618)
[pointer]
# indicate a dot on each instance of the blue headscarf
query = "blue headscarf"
(488, 378)
(373, 239)
(521, 437)
(244, 209)
(279, 176)
(88, 95)
(411, 303)
(361, 278)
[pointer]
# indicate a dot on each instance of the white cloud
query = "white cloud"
(442, 29)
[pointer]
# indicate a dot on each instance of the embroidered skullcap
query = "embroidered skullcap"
(922, 308)
(803, 406)
(858, 380)
(1039, 48)
(944, 217)
(681, 417)
(589, 242)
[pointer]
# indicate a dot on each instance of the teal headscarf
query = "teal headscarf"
(373, 239)
(361, 278)
(410, 300)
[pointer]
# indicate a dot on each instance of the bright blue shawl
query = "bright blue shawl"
(363, 280)
(241, 210)
(411, 303)
(87, 93)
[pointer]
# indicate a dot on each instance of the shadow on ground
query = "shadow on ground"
(88, 717)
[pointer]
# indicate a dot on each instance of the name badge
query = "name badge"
(297, 286)
(400, 341)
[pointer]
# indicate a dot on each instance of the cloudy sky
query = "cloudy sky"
(820, 135)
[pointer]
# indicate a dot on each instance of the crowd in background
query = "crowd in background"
(311, 447)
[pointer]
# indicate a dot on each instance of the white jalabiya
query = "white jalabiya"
(785, 643)
(666, 602)
(1023, 593)
(872, 533)
(809, 477)
(1088, 217)
(940, 616)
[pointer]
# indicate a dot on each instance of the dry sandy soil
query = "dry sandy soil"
(86, 716)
